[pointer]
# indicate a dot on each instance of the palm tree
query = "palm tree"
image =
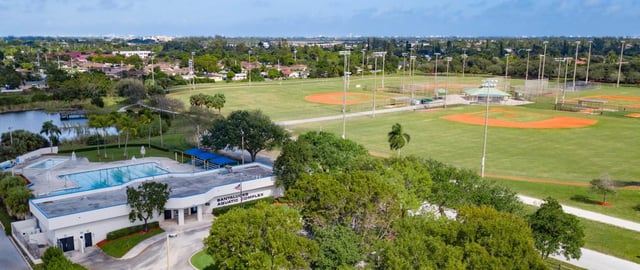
(397, 138)
(128, 125)
(146, 120)
(94, 122)
(114, 120)
(50, 130)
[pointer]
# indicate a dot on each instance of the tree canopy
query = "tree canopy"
(556, 232)
(252, 131)
(145, 199)
(260, 237)
(316, 152)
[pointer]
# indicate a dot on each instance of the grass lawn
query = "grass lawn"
(118, 247)
(201, 260)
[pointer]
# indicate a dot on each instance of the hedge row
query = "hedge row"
(89, 148)
(130, 230)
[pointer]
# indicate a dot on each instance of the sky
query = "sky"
(332, 18)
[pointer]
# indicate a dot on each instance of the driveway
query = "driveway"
(9, 256)
(152, 253)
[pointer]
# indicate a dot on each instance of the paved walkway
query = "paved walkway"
(592, 259)
(10, 258)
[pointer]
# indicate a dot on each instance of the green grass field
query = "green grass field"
(201, 260)
(118, 247)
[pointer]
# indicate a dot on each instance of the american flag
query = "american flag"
(238, 187)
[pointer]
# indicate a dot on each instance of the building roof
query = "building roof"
(181, 186)
(485, 91)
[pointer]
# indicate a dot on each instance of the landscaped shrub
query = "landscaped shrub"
(129, 230)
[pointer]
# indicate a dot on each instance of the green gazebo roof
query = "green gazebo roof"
(485, 91)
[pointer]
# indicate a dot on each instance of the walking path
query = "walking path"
(592, 259)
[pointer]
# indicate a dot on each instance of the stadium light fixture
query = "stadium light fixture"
(620, 64)
(344, 94)
(487, 85)
(575, 66)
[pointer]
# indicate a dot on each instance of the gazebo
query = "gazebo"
(481, 94)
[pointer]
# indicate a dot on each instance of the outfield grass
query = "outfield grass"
(284, 100)
(577, 154)
(118, 247)
(201, 259)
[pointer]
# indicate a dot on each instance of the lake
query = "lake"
(32, 121)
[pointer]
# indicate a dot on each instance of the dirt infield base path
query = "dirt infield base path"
(478, 118)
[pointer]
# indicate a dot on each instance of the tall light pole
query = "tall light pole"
(620, 64)
(559, 60)
(564, 87)
(575, 67)
(363, 57)
(586, 79)
(344, 94)
(153, 77)
(435, 87)
(464, 60)
(544, 59)
(404, 69)
(383, 64)
(10, 136)
(412, 67)
(249, 68)
(487, 85)
(193, 76)
(506, 70)
(376, 55)
(526, 73)
(446, 87)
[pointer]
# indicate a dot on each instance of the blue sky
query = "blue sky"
(285, 18)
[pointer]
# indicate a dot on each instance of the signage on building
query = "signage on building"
(235, 198)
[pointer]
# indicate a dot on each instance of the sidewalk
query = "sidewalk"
(592, 259)
(630, 225)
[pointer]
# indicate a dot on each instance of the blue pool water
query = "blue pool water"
(109, 177)
(45, 164)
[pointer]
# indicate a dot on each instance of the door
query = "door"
(167, 214)
(87, 240)
(66, 243)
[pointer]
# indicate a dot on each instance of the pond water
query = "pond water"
(32, 121)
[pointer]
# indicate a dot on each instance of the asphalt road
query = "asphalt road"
(9, 256)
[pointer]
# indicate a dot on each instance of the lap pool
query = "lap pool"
(109, 177)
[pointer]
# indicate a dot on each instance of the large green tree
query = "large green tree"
(361, 200)
(339, 248)
(397, 138)
(252, 131)
(131, 89)
(556, 232)
(316, 152)
(260, 237)
(145, 199)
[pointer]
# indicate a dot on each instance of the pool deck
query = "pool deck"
(46, 181)
(183, 179)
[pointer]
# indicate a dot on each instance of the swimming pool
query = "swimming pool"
(48, 163)
(109, 177)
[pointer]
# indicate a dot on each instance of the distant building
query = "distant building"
(141, 54)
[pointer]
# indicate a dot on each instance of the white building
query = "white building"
(141, 54)
(77, 220)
